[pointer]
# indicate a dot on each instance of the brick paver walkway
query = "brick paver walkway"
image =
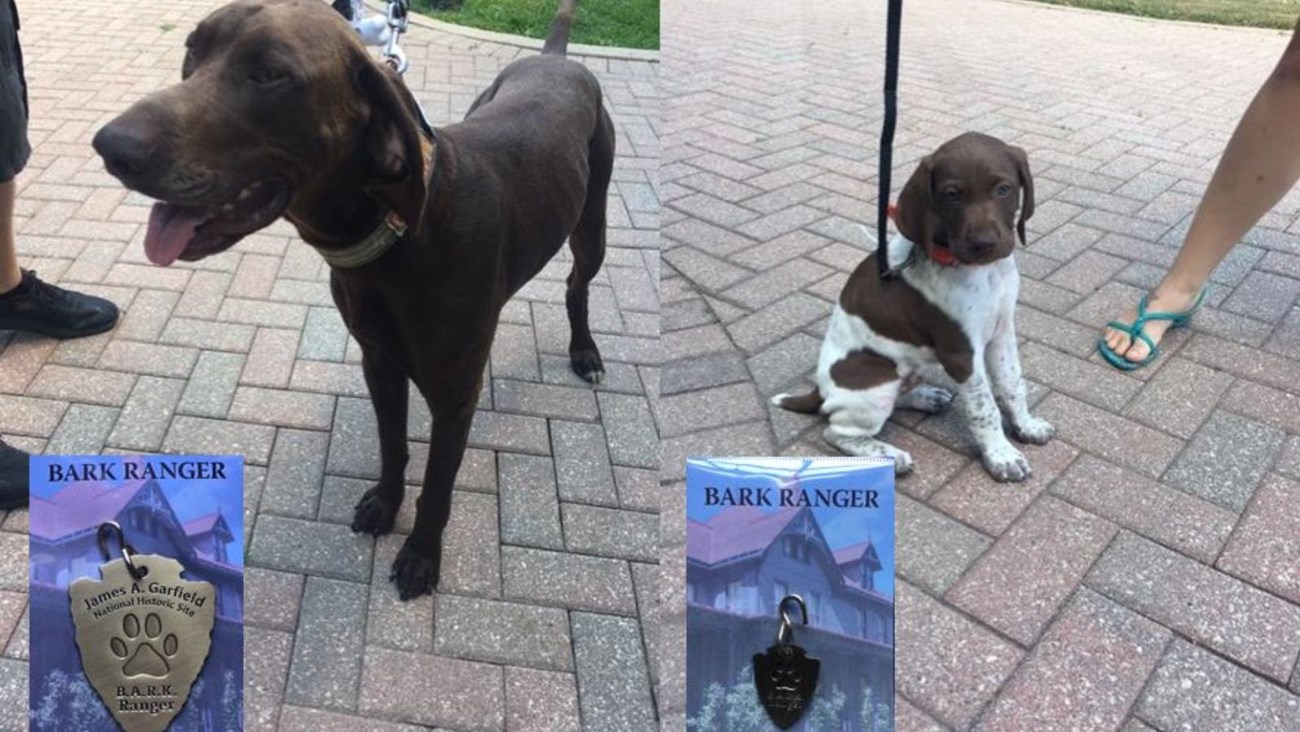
(1148, 577)
(550, 557)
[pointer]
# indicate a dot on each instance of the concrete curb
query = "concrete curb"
(507, 39)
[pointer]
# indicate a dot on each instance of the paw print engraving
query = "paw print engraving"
(136, 646)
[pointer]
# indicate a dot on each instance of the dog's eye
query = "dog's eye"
(1003, 190)
(267, 75)
(952, 195)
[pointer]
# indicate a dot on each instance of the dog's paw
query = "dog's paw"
(1035, 431)
(414, 572)
(375, 515)
(586, 363)
(926, 398)
(1006, 464)
(902, 462)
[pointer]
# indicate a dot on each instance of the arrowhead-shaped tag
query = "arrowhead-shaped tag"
(143, 641)
(786, 678)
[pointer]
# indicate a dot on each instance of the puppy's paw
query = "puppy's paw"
(414, 572)
(587, 364)
(926, 398)
(902, 462)
(1035, 431)
(375, 515)
(1006, 464)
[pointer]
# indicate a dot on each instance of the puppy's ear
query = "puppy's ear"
(1021, 159)
(916, 219)
(392, 139)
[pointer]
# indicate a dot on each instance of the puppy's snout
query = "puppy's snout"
(982, 245)
(127, 149)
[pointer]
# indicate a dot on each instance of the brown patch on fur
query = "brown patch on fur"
(809, 403)
(863, 369)
(896, 310)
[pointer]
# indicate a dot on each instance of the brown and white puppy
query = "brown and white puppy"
(954, 306)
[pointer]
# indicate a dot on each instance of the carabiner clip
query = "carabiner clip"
(127, 550)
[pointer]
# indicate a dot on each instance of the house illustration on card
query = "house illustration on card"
(743, 561)
(64, 545)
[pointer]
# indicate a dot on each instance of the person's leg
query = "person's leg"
(27, 303)
(10, 275)
(1259, 166)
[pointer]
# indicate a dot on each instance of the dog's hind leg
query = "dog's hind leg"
(587, 242)
(389, 389)
(855, 424)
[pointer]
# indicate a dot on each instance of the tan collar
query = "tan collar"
(387, 233)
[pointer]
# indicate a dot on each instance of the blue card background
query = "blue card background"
(741, 560)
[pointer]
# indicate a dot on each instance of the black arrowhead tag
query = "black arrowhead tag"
(786, 676)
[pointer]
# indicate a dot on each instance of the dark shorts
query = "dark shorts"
(14, 149)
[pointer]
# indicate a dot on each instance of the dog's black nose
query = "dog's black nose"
(983, 244)
(125, 150)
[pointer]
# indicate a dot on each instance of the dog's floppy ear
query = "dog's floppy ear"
(1021, 159)
(392, 138)
(915, 218)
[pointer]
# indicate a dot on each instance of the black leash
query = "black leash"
(892, 42)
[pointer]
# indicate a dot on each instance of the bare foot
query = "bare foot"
(1164, 299)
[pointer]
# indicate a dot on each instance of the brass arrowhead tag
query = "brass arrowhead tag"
(144, 634)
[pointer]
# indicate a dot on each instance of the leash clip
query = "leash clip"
(101, 536)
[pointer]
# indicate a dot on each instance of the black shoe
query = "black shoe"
(39, 307)
(14, 474)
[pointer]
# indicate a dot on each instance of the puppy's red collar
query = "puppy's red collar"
(940, 255)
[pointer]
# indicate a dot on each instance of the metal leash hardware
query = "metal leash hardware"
(786, 676)
(893, 41)
(398, 11)
(143, 633)
(101, 537)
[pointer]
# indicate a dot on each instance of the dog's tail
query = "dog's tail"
(558, 41)
(809, 403)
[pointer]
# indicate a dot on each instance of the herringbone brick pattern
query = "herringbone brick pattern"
(550, 560)
(1146, 578)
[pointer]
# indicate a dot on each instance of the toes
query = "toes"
(1007, 465)
(1136, 351)
(1035, 431)
(1117, 341)
(903, 463)
(587, 364)
(414, 573)
(374, 515)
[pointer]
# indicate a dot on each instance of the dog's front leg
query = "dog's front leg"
(1003, 461)
(415, 571)
(389, 390)
(1009, 389)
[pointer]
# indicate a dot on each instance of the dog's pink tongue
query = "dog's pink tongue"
(171, 229)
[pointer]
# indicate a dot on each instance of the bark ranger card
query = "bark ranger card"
(137, 594)
(803, 547)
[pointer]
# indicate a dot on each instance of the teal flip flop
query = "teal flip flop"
(1134, 331)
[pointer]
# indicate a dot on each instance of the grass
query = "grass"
(625, 23)
(1259, 13)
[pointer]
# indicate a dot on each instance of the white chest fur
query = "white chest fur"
(980, 299)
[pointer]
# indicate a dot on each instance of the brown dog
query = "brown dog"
(281, 111)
